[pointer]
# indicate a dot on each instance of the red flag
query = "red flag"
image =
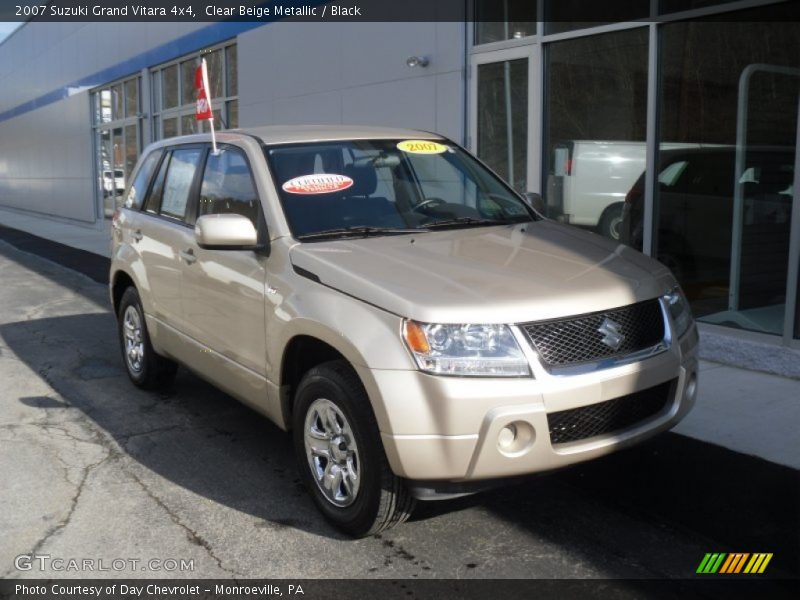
(203, 111)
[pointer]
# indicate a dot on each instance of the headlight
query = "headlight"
(679, 310)
(471, 350)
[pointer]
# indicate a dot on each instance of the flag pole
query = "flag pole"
(208, 99)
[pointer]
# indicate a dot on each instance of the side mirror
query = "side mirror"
(536, 202)
(225, 232)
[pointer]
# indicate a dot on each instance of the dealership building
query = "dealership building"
(672, 127)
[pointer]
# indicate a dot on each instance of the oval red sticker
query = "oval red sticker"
(319, 183)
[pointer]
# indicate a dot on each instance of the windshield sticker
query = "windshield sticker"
(320, 183)
(422, 147)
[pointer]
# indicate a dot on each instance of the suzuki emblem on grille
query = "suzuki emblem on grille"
(611, 334)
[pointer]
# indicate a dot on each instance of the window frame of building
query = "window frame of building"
(534, 47)
(129, 119)
(223, 105)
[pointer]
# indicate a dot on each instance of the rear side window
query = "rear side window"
(228, 186)
(142, 180)
(178, 182)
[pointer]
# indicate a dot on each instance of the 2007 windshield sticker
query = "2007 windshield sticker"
(320, 183)
(421, 147)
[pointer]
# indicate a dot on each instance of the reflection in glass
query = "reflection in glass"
(725, 193)
(231, 71)
(188, 95)
(189, 124)
(117, 102)
(105, 182)
(215, 75)
(503, 119)
(118, 156)
(132, 97)
(568, 15)
(170, 127)
(105, 106)
(131, 148)
(670, 6)
(156, 90)
(504, 20)
(178, 182)
(135, 195)
(233, 114)
(596, 127)
(169, 87)
(228, 187)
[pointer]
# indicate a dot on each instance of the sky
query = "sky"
(6, 29)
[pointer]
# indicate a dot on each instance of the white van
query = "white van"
(589, 180)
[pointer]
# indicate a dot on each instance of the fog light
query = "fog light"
(516, 438)
(507, 436)
(691, 388)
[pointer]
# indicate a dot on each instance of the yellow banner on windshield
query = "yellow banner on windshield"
(421, 147)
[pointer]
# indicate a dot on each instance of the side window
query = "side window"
(154, 198)
(228, 186)
(178, 182)
(142, 180)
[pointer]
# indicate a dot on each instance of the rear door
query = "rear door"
(166, 231)
(224, 290)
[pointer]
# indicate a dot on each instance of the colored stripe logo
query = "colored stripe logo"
(735, 562)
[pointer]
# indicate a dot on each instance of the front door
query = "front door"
(224, 290)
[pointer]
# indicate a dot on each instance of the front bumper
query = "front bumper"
(451, 428)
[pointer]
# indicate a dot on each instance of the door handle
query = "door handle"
(137, 235)
(188, 256)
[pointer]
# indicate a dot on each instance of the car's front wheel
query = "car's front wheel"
(145, 368)
(340, 454)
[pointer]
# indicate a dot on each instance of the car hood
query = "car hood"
(498, 274)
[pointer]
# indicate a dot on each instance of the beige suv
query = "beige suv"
(418, 326)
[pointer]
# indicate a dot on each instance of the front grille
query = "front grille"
(580, 339)
(607, 417)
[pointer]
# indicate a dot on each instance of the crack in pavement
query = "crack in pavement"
(191, 534)
(58, 527)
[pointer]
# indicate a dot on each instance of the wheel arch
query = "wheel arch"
(120, 281)
(303, 352)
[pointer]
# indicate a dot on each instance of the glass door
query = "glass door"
(763, 196)
(502, 116)
(791, 330)
(724, 189)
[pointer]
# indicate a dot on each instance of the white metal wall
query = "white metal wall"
(354, 73)
(288, 73)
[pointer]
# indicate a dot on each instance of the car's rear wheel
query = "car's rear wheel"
(340, 454)
(146, 368)
(611, 222)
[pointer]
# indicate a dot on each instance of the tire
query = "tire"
(376, 499)
(611, 222)
(146, 369)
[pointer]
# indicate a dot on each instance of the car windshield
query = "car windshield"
(387, 187)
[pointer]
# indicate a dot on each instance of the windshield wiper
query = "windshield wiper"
(361, 231)
(468, 221)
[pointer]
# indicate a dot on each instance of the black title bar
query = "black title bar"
(585, 11)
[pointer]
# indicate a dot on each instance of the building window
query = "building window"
(498, 20)
(596, 126)
(569, 15)
(728, 126)
(117, 130)
(174, 92)
(503, 119)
